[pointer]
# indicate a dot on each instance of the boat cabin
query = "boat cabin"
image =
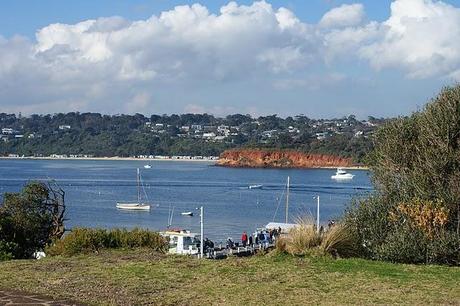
(182, 242)
(285, 227)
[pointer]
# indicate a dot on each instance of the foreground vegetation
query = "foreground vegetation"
(414, 215)
(134, 277)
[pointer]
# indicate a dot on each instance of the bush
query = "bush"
(7, 250)
(404, 245)
(414, 217)
(85, 240)
(30, 219)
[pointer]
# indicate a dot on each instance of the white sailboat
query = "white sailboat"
(137, 205)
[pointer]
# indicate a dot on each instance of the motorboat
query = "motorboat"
(182, 242)
(187, 213)
(259, 186)
(139, 206)
(341, 174)
(147, 166)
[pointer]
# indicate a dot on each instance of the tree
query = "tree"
(32, 218)
(416, 172)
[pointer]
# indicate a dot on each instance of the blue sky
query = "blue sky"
(24, 17)
(322, 58)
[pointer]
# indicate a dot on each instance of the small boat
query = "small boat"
(341, 174)
(147, 166)
(135, 205)
(182, 242)
(255, 186)
(187, 213)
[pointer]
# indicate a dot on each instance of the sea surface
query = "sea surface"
(92, 188)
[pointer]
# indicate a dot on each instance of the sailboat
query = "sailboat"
(285, 227)
(137, 205)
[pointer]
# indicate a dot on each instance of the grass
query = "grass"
(137, 277)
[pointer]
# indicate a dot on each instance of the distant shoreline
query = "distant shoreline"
(109, 159)
(213, 161)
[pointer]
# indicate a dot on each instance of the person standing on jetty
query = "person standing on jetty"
(244, 239)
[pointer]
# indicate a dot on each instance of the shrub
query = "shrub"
(85, 240)
(414, 217)
(7, 250)
(31, 218)
(403, 245)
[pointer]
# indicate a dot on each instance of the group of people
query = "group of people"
(262, 237)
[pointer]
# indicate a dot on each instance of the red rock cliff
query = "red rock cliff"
(258, 158)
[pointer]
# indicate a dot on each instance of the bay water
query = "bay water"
(92, 188)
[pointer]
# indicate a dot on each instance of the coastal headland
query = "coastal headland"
(266, 158)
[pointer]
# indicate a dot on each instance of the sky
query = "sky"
(320, 58)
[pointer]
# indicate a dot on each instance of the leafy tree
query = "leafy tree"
(31, 219)
(416, 171)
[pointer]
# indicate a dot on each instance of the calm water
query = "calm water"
(93, 188)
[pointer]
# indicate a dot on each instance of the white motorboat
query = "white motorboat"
(341, 174)
(259, 186)
(147, 166)
(139, 206)
(182, 242)
(187, 213)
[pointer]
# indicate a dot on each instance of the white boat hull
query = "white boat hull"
(133, 206)
(347, 176)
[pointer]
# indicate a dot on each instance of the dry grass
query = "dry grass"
(142, 277)
(339, 241)
(302, 238)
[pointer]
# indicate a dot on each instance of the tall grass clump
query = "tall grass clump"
(86, 240)
(339, 241)
(302, 238)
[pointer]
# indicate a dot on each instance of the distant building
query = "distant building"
(196, 127)
(8, 131)
(210, 135)
(321, 136)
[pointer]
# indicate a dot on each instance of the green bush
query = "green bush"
(414, 216)
(403, 245)
(86, 240)
(31, 219)
(7, 250)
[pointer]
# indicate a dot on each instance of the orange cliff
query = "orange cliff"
(258, 158)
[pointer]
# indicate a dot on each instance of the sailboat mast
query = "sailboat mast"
(138, 187)
(287, 201)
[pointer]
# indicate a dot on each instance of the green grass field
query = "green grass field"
(136, 277)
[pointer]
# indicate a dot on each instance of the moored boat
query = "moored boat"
(138, 206)
(341, 174)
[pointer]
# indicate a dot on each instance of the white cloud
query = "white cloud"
(125, 63)
(345, 15)
(421, 36)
